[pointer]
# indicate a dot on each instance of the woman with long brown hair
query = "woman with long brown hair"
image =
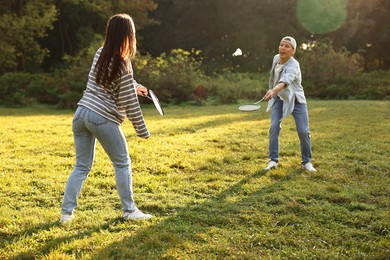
(110, 97)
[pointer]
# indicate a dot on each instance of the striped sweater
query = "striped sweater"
(117, 102)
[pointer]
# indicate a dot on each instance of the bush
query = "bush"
(21, 89)
(323, 68)
(15, 89)
(176, 77)
(71, 84)
(231, 87)
(44, 89)
(372, 85)
(72, 81)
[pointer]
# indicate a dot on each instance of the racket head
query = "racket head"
(248, 108)
(156, 102)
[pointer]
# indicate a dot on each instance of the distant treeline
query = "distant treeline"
(186, 47)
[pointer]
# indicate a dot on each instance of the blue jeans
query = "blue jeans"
(301, 118)
(87, 127)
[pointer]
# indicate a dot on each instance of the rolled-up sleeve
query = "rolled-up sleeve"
(290, 74)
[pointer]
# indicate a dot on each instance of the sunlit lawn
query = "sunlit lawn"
(200, 175)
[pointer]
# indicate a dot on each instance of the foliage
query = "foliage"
(78, 22)
(366, 31)
(15, 89)
(218, 27)
(373, 85)
(230, 87)
(29, 44)
(65, 87)
(174, 76)
(72, 80)
(200, 175)
(36, 35)
(44, 88)
(22, 89)
(21, 30)
(322, 67)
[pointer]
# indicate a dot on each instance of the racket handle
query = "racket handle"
(147, 97)
(260, 100)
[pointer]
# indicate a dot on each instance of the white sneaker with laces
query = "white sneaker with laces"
(271, 165)
(136, 215)
(66, 218)
(308, 167)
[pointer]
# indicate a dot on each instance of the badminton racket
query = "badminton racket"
(251, 107)
(156, 102)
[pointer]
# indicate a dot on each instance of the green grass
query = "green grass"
(200, 175)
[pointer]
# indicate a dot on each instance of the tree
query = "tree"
(372, 36)
(367, 31)
(22, 24)
(218, 27)
(78, 22)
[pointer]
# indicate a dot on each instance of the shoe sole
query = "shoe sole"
(271, 168)
(65, 221)
(141, 218)
(66, 218)
(307, 170)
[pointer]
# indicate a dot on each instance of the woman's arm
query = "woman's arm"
(128, 101)
(289, 74)
(275, 90)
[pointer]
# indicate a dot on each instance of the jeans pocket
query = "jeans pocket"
(96, 119)
(79, 114)
(78, 124)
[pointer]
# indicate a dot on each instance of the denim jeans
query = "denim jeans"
(87, 127)
(301, 118)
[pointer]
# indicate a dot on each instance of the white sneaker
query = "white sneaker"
(136, 215)
(308, 167)
(271, 165)
(66, 218)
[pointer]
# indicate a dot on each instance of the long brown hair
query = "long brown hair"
(119, 46)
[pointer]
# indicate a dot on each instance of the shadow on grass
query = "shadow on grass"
(173, 232)
(192, 221)
(170, 125)
(7, 238)
(46, 246)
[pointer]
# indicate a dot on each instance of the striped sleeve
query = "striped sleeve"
(128, 102)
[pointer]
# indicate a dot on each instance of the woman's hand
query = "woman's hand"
(142, 91)
(270, 93)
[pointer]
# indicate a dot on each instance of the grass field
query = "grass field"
(200, 175)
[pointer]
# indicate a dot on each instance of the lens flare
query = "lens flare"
(321, 16)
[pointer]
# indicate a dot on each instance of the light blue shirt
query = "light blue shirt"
(290, 75)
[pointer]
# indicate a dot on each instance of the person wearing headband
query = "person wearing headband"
(286, 96)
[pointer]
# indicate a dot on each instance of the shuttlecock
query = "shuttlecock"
(238, 52)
